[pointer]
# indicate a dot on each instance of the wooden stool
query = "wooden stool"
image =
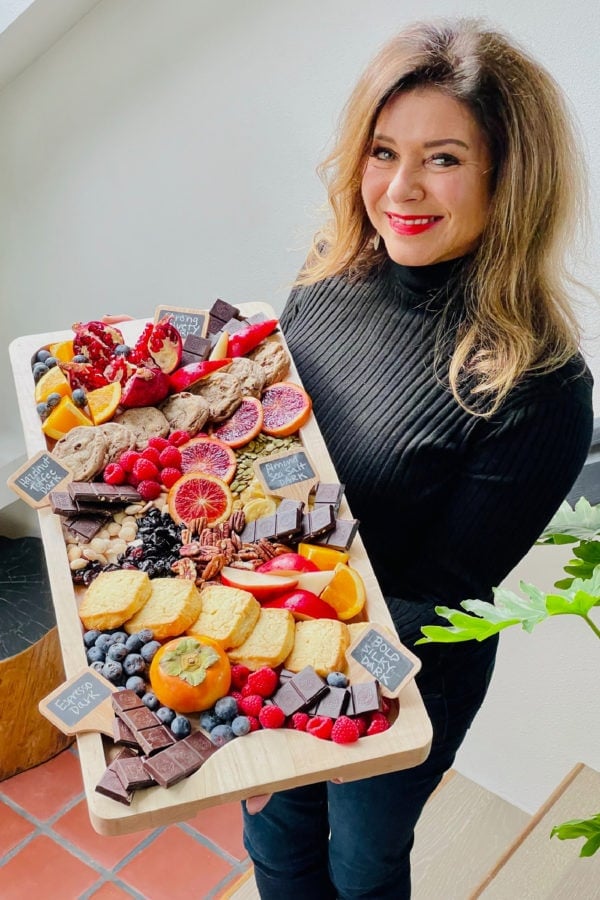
(30, 657)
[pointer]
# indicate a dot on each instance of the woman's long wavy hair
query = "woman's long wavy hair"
(517, 315)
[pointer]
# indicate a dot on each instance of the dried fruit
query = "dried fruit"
(208, 456)
(196, 495)
(243, 426)
(190, 674)
(286, 407)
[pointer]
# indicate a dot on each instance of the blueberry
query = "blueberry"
(133, 643)
(52, 400)
(104, 641)
(89, 638)
(80, 358)
(208, 721)
(117, 652)
(151, 701)
(42, 355)
(97, 666)
(337, 679)
(78, 397)
(133, 664)
(226, 709)
(148, 650)
(112, 670)
(137, 684)
(221, 734)
(51, 361)
(122, 350)
(240, 725)
(181, 727)
(120, 637)
(165, 714)
(42, 410)
(95, 654)
(38, 370)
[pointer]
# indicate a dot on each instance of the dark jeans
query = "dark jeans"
(349, 841)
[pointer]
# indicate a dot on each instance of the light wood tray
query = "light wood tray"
(261, 762)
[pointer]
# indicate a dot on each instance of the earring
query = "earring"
(376, 241)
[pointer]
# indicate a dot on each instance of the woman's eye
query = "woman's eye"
(443, 160)
(382, 153)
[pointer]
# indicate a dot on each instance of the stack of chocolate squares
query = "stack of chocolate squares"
(87, 505)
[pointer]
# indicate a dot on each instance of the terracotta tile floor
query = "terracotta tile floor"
(48, 847)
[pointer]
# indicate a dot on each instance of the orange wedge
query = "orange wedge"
(102, 403)
(345, 592)
(53, 382)
(62, 351)
(62, 418)
(324, 558)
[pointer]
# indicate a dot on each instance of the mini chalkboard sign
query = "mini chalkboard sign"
(81, 704)
(290, 474)
(377, 653)
(37, 477)
(186, 321)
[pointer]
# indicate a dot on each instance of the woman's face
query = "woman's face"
(426, 184)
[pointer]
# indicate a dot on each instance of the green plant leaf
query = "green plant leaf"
(581, 596)
(587, 555)
(465, 627)
(576, 828)
(568, 525)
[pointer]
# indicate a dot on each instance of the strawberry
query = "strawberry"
(148, 490)
(145, 470)
(344, 731)
(251, 705)
(299, 721)
(170, 456)
(264, 681)
(114, 474)
(239, 676)
(177, 438)
(271, 716)
(169, 476)
(320, 726)
(378, 724)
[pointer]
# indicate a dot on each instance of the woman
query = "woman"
(432, 327)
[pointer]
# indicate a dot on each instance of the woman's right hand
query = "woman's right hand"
(256, 804)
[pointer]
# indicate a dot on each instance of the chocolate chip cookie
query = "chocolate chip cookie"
(222, 392)
(273, 359)
(118, 439)
(251, 375)
(144, 422)
(186, 412)
(83, 450)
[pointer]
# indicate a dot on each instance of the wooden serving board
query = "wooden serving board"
(261, 762)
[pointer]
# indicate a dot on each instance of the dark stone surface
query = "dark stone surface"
(26, 610)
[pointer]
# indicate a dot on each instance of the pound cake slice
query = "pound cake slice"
(228, 615)
(269, 642)
(173, 605)
(113, 597)
(320, 643)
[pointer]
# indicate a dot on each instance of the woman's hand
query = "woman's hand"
(255, 804)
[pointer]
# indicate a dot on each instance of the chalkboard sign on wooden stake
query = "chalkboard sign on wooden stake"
(289, 474)
(186, 321)
(37, 477)
(377, 653)
(81, 704)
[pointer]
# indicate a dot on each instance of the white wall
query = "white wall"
(165, 152)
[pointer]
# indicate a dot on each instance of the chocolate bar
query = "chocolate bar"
(363, 697)
(122, 734)
(282, 525)
(329, 494)
(300, 691)
(182, 759)
(99, 492)
(63, 505)
(316, 523)
(110, 784)
(332, 704)
(131, 773)
(145, 725)
(342, 535)
(86, 527)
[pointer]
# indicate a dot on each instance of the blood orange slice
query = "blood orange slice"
(243, 425)
(196, 495)
(208, 456)
(286, 407)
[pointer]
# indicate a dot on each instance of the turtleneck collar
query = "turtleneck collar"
(427, 284)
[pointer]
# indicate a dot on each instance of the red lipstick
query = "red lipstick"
(409, 225)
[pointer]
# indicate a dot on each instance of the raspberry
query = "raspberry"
(251, 705)
(363, 723)
(239, 676)
(320, 726)
(114, 474)
(271, 716)
(152, 454)
(264, 681)
(254, 723)
(246, 690)
(145, 470)
(378, 723)
(385, 706)
(128, 459)
(299, 721)
(159, 442)
(344, 731)
(169, 476)
(148, 490)
(170, 456)
(177, 438)
(237, 697)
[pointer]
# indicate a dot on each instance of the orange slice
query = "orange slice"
(345, 592)
(196, 496)
(53, 382)
(62, 351)
(323, 557)
(63, 417)
(286, 407)
(102, 403)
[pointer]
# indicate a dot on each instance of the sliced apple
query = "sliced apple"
(303, 605)
(288, 563)
(261, 584)
(315, 581)
(219, 351)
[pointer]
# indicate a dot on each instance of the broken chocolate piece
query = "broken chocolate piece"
(145, 725)
(332, 704)
(86, 527)
(300, 691)
(281, 526)
(342, 535)
(125, 700)
(110, 784)
(364, 697)
(316, 523)
(197, 346)
(122, 734)
(330, 494)
(98, 492)
(131, 773)
(180, 760)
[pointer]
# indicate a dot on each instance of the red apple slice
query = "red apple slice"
(288, 563)
(262, 585)
(303, 605)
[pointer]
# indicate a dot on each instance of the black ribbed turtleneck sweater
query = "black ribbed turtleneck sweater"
(448, 502)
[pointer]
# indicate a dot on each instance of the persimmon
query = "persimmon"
(190, 674)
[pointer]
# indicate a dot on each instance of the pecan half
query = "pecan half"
(185, 568)
(214, 567)
(192, 549)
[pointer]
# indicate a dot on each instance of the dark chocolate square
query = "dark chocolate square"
(165, 770)
(140, 718)
(287, 698)
(154, 739)
(341, 537)
(131, 773)
(364, 697)
(122, 700)
(332, 704)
